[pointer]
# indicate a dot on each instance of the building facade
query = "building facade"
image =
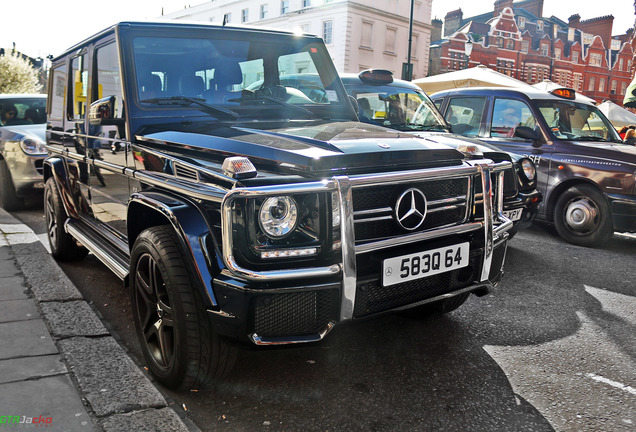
(359, 34)
(515, 39)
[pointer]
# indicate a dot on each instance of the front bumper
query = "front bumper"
(26, 170)
(301, 305)
(529, 202)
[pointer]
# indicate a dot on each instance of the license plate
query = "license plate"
(423, 264)
(513, 215)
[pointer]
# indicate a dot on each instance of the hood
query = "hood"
(35, 131)
(454, 141)
(309, 148)
(605, 150)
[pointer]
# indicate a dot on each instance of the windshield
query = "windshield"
(242, 74)
(400, 108)
(22, 111)
(576, 121)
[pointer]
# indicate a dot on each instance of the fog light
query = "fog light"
(289, 253)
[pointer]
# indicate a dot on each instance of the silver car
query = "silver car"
(22, 150)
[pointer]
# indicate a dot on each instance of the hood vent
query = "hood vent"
(184, 172)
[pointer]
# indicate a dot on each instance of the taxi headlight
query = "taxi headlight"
(278, 216)
(32, 146)
(529, 169)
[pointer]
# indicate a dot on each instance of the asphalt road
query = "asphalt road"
(552, 348)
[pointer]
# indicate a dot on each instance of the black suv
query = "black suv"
(586, 173)
(262, 216)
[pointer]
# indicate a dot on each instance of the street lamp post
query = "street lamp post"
(468, 48)
(407, 68)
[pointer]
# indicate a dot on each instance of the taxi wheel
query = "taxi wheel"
(63, 246)
(582, 216)
(8, 198)
(177, 338)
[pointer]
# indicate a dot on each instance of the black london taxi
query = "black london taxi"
(585, 171)
(402, 105)
(256, 216)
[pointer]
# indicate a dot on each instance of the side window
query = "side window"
(57, 95)
(108, 77)
(507, 115)
(465, 114)
(79, 90)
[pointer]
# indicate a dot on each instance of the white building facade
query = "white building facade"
(359, 34)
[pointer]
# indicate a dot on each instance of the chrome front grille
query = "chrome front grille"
(373, 207)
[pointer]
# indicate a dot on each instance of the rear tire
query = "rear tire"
(63, 245)
(177, 337)
(9, 200)
(582, 216)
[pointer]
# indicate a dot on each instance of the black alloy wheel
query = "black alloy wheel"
(63, 246)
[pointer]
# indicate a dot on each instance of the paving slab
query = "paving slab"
(74, 318)
(27, 368)
(164, 419)
(24, 339)
(51, 398)
(13, 288)
(107, 377)
(18, 310)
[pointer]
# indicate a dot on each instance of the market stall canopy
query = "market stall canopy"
(548, 86)
(618, 115)
(479, 76)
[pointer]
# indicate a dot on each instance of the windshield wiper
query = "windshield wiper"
(428, 128)
(590, 138)
(253, 96)
(185, 101)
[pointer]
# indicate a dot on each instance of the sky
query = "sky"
(43, 27)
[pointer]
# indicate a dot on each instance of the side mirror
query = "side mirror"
(526, 132)
(354, 103)
(102, 112)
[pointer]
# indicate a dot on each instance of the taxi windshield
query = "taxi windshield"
(400, 108)
(575, 121)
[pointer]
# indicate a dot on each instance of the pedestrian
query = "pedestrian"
(630, 137)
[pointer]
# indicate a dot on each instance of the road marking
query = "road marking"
(616, 384)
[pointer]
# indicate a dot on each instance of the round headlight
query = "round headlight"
(32, 146)
(278, 216)
(528, 169)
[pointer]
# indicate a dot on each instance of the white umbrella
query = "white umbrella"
(616, 114)
(548, 86)
(479, 76)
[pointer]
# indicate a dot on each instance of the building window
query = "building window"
(500, 42)
(601, 85)
(306, 3)
(571, 32)
(305, 28)
(540, 25)
(613, 86)
(244, 15)
(575, 56)
(227, 18)
(577, 82)
(595, 59)
(510, 44)
(545, 48)
(264, 11)
(327, 31)
(284, 7)
(620, 64)
(522, 22)
(591, 84)
(389, 42)
(557, 53)
(623, 88)
(414, 46)
(588, 38)
(524, 46)
(366, 36)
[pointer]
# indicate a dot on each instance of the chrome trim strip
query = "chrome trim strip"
(201, 191)
(448, 207)
(120, 271)
(407, 176)
(258, 340)
(413, 238)
(486, 185)
(457, 199)
(348, 247)
(374, 219)
(471, 288)
(373, 211)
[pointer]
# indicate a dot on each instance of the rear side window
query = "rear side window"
(58, 91)
(507, 114)
(108, 77)
(79, 91)
(465, 114)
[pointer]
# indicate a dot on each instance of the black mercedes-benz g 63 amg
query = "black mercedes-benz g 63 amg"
(266, 216)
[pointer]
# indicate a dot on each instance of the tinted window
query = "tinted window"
(58, 90)
(108, 77)
(79, 90)
(465, 114)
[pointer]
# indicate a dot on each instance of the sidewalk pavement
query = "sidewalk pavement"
(59, 366)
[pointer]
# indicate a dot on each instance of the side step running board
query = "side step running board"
(109, 255)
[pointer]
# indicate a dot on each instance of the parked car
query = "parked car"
(22, 149)
(402, 105)
(585, 171)
(255, 216)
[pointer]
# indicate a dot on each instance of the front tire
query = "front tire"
(582, 216)
(63, 246)
(177, 338)
(9, 200)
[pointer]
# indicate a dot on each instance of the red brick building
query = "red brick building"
(515, 39)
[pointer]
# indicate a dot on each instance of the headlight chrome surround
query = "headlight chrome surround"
(528, 168)
(32, 146)
(278, 216)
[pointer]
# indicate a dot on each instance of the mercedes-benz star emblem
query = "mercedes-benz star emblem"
(410, 209)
